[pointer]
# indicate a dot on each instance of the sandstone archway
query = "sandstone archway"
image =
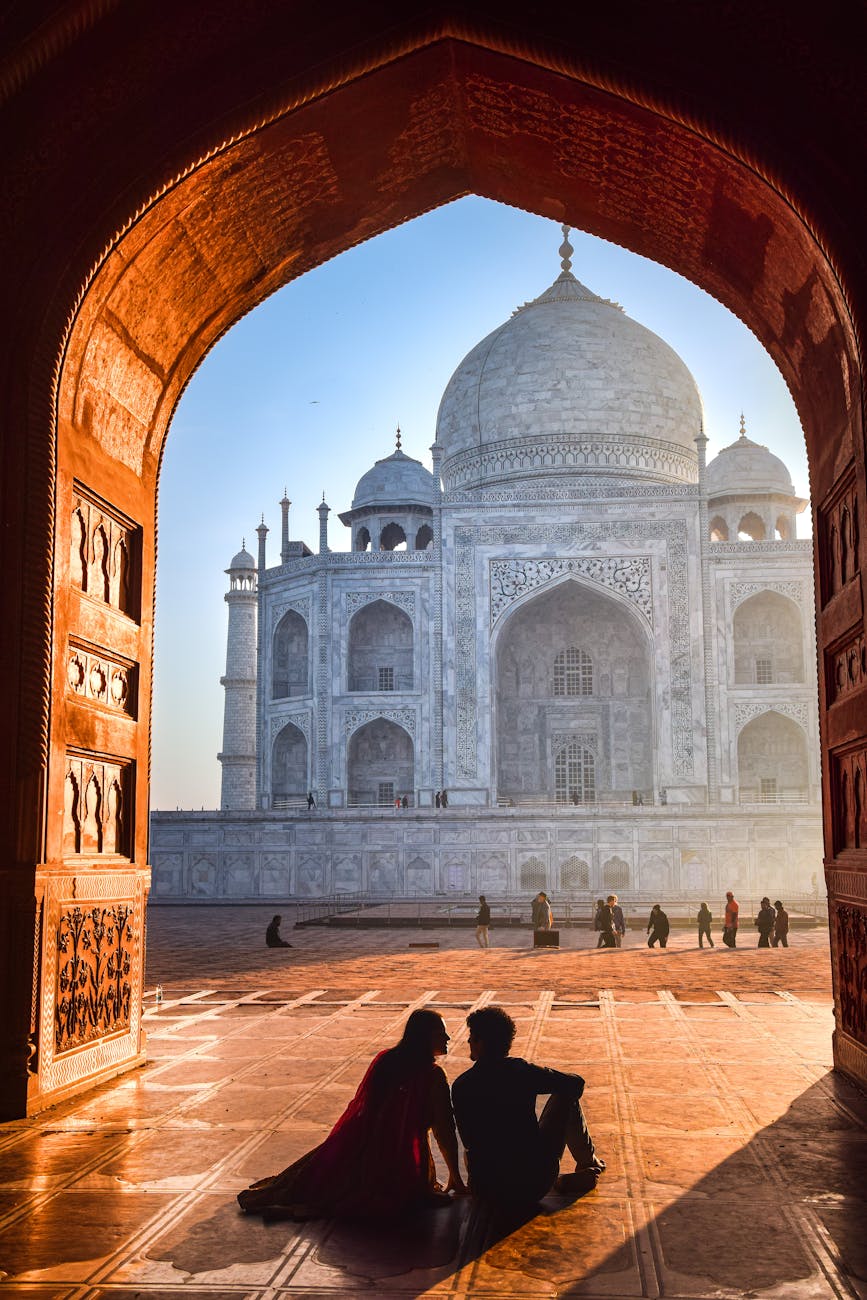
(224, 157)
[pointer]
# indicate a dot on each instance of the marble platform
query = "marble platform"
(737, 1162)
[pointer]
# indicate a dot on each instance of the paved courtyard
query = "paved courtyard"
(737, 1163)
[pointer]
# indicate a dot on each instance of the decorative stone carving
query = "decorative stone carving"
(629, 577)
(97, 794)
(591, 488)
(577, 537)
(586, 739)
(723, 550)
(404, 600)
(838, 531)
(104, 551)
(303, 720)
(850, 925)
(355, 718)
(300, 604)
(741, 591)
(624, 456)
(102, 679)
(94, 966)
(745, 713)
(846, 668)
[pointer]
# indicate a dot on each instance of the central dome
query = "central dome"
(569, 385)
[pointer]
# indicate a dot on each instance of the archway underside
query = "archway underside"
(444, 120)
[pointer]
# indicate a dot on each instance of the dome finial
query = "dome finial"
(566, 249)
(243, 543)
(397, 439)
(743, 426)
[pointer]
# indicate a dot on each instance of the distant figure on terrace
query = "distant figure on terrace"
(272, 934)
(513, 1159)
(311, 802)
(618, 920)
(444, 798)
(376, 1162)
(704, 920)
(730, 925)
(657, 927)
(483, 920)
(543, 917)
(780, 936)
(765, 923)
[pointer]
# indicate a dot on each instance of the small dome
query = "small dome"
(243, 560)
(746, 468)
(396, 480)
(573, 380)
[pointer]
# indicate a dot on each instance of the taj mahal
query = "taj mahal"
(599, 644)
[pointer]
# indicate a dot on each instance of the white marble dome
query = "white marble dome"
(243, 560)
(746, 468)
(396, 480)
(570, 384)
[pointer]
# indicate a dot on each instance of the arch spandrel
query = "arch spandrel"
(617, 122)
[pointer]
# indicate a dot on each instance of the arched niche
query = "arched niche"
(610, 707)
(290, 656)
(574, 873)
(392, 538)
(424, 537)
(362, 539)
(773, 765)
(380, 648)
(768, 636)
(718, 529)
(289, 766)
(751, 528)
(784, 528)
(380, 764)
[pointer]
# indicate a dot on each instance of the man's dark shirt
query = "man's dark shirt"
(495, 1110)
(484, 915)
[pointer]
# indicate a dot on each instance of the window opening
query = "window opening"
(385, 792)
(764, 671)
(575, 874)
(386, 679)
(573, 672)
(574, 775)
(768, 789)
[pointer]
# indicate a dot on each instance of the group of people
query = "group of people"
(441, 799)
(772, 924)
(377, 1162)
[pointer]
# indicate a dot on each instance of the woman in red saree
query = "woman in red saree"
(376, 1161)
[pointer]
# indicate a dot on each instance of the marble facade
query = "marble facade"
(573, 617)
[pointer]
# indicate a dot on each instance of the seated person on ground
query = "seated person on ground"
(272, 934)
(513, 1159)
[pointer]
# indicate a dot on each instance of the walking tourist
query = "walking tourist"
(272, 934)
(730, 924)
(513, 1159)
(780, 936)
(657, 927)
(618, 919)
(597, 921)
(704, 920)
(311, 802)
(607, 937)
(437, 799)
(483, 920)
(765, 923)
(444, 798)
(376, 1161)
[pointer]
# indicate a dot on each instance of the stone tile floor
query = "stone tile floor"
(737, 1163)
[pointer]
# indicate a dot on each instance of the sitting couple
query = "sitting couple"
(377, 1162)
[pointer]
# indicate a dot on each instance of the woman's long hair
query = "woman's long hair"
(413, 1052)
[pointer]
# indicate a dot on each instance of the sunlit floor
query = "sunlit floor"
(737, 1163)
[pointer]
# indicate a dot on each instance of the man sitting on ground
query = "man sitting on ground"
(513, 1159)
(272, 934)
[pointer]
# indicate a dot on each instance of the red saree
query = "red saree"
(376, 1161)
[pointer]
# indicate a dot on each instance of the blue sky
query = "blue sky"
(306, 391)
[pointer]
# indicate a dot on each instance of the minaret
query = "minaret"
(323, 511)
(238, 755)
(284, 547)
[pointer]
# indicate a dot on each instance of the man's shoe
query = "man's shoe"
(583, 1180)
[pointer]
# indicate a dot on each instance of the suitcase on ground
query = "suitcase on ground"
(546, 938)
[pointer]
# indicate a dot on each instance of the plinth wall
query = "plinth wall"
(213, 855)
